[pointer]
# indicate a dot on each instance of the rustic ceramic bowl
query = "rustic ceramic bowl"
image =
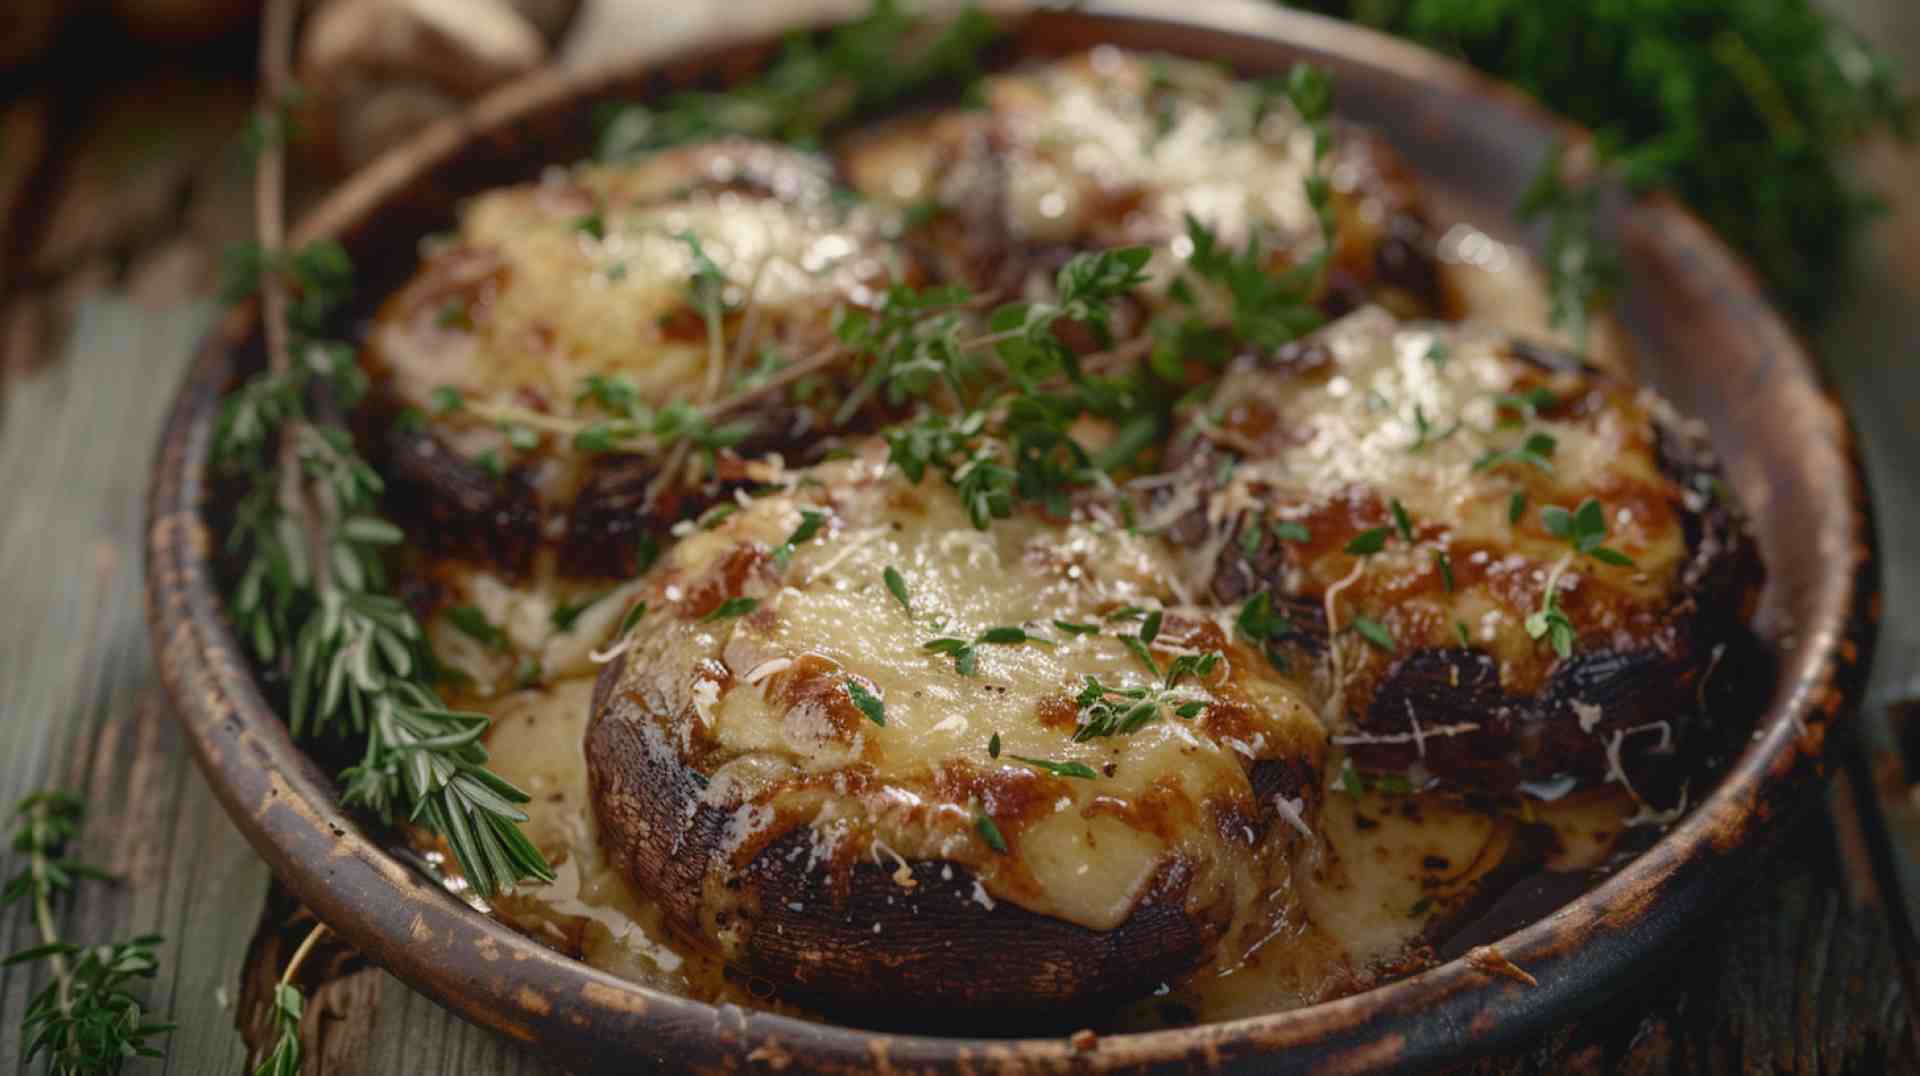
(1709, 339)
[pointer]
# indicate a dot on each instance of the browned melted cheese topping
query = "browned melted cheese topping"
(746, 655)
(1111, 149)
(587, 272)
(1333, 441)
(760, 704)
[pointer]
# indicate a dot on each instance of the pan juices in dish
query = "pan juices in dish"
(802, 734)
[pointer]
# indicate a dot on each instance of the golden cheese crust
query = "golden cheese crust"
(1403, 491)
(880, 750)
(495, 344)
(1109, 149)
(741, 773)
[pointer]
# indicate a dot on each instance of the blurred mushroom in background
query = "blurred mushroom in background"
(375, 71)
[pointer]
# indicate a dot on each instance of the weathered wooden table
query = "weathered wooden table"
(114, 200)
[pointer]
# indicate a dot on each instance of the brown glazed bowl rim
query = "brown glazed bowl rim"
(290, 811)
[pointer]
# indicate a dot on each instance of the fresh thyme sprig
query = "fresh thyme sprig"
(86, 1021)
(1582, 270)
(310, 596)
(1584, 529)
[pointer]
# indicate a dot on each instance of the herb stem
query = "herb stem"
(38, 863)
(787, 375)
(269, 197)
(300, 954)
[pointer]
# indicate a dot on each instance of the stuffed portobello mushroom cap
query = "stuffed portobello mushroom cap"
(780, 758)
(1401, 496)
(525, 366)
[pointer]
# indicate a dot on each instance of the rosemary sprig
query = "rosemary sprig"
(86, 1021)
(289, 1006)
(310, 596)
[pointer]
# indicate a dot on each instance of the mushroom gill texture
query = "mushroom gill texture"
(855, 745)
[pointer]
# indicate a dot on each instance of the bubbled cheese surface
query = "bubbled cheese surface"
(759, 701)
(1332, 445)
(587, 273)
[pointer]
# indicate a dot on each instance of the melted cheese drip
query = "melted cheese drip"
(1345, 917)
(1084, 855)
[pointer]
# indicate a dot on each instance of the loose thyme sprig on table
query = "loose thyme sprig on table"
(310, 597)
(86, 1021)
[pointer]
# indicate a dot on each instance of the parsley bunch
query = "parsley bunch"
(1745, 108)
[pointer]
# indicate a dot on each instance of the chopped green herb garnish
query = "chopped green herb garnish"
(993, 746)
(489, 461)
(1526, 404)
(474, 624)
(732, 607)
(446, 399)
(593, 224)
(1445, 564)
(897, 586)
(1584, 528)
(1138, 649)
(1150, 628)
(1059, 769)
(1549, 620)
(1400, 521)
(1196, 665)
(1072, 628)
(867, 702)
(1288, 530)
(1516, 506)
(1004, 636)
(1425, 433)
(810, 523)
(989, 832)
(1259, 621)
(961, 651)
(520, 437)
(1374, 632)
(1536, 451)
(1114, 711)
(1460, 629)
(1367, 542)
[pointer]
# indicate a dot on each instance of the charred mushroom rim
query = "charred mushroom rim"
(1094, 544)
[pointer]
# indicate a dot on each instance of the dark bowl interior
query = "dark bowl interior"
(1707, 336)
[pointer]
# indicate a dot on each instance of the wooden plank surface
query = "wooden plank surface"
(103, 301)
